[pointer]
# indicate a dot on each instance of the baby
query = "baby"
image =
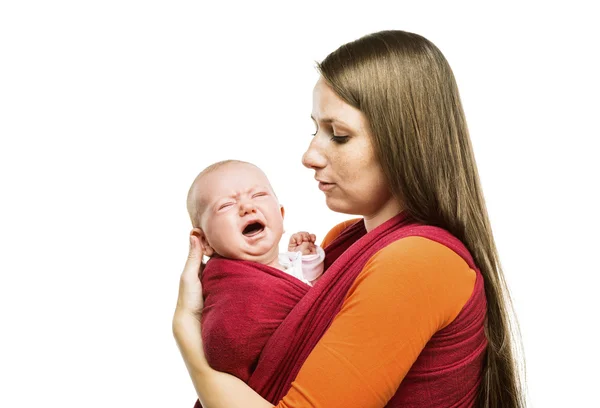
(236, 215)
(247, 285)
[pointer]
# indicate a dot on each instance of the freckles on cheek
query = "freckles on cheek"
(361, 168)
(348, 167)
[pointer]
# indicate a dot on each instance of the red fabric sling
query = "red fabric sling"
(244, 303)
(270, 322)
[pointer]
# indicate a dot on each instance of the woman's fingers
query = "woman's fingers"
(190, 288)
(194, 264)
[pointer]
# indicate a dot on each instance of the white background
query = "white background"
(108, 109)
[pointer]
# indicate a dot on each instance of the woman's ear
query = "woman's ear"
(204, 244)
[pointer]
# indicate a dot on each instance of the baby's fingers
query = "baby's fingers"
(305, 236)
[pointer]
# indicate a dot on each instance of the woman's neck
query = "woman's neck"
(390, 209)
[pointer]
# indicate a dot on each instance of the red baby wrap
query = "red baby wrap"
(260, 324)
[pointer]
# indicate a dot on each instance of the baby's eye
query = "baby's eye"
(261, 194)
(226, 205)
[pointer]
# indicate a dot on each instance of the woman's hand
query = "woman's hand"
(186, 319)
(190, 299)
(214, 389)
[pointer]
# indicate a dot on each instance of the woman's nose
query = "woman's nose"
(313, 158)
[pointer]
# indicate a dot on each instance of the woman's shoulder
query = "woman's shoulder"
(418, 247)
(419, 267)
(337, 230)
(429, 257)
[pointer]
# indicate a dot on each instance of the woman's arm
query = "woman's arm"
(214, 389)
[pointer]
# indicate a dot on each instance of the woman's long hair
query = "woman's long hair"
(405, 88)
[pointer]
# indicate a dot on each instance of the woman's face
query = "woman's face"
(342, 155)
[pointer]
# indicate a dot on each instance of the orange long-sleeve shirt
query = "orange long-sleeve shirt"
(406, 292)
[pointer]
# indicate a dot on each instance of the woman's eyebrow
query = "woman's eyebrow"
(331, 120)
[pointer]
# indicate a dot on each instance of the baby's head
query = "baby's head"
(235, 212)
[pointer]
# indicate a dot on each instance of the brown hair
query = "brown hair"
(407, 91)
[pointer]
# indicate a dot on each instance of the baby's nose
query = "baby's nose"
(247, 207)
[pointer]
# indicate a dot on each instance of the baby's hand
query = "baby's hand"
(303, 242)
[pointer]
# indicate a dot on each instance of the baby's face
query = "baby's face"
(240, 216)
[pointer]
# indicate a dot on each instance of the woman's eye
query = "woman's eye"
(339, 139)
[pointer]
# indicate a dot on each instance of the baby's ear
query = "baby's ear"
(204, 244)
(282, 215)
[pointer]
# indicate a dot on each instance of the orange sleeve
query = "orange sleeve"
(406, 292)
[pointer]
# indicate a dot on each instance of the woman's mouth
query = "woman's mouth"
(326, 186)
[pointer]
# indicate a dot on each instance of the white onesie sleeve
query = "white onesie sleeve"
(307, 268)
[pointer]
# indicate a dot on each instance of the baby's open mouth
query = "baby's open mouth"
(253, 229)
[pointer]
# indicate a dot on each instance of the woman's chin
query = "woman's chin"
(337, 205)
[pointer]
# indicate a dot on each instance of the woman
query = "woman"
(425, 321)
